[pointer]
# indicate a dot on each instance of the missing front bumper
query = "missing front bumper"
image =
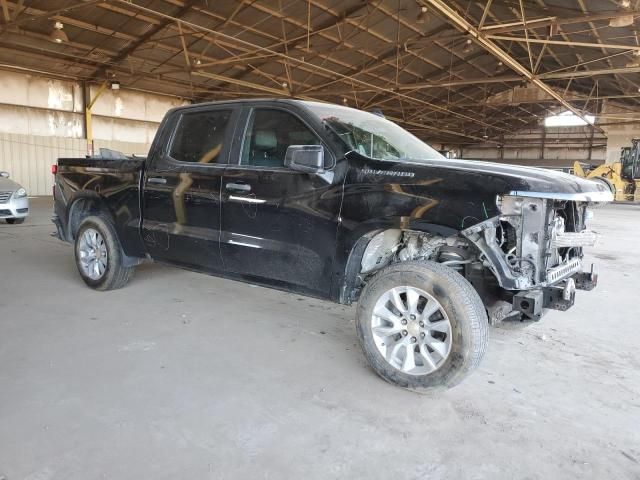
(533, 303)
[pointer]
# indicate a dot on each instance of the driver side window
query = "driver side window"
(269, 133)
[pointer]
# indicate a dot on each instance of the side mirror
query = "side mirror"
(4, 174)
(305, 158)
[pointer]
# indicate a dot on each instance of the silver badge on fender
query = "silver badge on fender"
(368, 171)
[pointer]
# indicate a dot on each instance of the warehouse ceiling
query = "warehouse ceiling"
(453, 72)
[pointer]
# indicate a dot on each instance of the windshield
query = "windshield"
(372, 135)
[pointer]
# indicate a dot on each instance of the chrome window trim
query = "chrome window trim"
(577, 197)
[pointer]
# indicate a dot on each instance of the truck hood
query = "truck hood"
(501, 178)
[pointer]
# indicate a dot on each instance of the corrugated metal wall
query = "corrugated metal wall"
(28, 158)
(42, 119)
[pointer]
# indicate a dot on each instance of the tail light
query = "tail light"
(54, 168)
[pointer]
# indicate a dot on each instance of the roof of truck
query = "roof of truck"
(247, 100)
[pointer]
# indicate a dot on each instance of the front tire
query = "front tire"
(99, 257)
(15, 221)
(421, 325)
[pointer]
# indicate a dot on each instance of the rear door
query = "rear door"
(181, 189)
(279, 225)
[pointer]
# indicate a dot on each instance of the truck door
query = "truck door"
(279, 225)
(181, 188)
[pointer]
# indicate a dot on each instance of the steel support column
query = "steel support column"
(89, 103)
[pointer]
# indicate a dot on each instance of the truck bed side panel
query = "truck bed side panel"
(114, 183)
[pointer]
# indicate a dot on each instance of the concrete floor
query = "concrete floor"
(184, 376)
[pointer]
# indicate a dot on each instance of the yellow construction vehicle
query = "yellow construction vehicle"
(621, 177)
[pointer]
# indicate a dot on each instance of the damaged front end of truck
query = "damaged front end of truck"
(534, 249)
(522, 262)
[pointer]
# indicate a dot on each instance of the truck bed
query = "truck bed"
(128, 164)
(113, 183)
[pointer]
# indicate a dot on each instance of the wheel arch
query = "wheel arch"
(84, 204)
(357, 246)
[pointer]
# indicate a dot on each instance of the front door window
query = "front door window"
(269, 133)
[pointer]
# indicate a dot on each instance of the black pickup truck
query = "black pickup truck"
(342, 205)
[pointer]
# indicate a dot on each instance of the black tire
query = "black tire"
(460, 302)
(15, 221)
(116, 274)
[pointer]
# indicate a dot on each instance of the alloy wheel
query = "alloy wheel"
(411, 330)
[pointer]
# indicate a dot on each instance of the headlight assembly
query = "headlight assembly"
(20, 193)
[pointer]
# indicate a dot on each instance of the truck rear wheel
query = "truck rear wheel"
(98, 254)
(421, 325)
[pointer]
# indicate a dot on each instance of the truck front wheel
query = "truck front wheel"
(421, 325)
(98, 254)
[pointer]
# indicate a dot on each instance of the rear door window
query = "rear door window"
(200, 137)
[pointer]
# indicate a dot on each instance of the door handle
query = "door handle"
(238, 187)
(156, 180)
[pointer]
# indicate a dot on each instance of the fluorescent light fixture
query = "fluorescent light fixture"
(57, 34)
(567, 119)
(625, 21)
(635, 61)
(422, 16)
